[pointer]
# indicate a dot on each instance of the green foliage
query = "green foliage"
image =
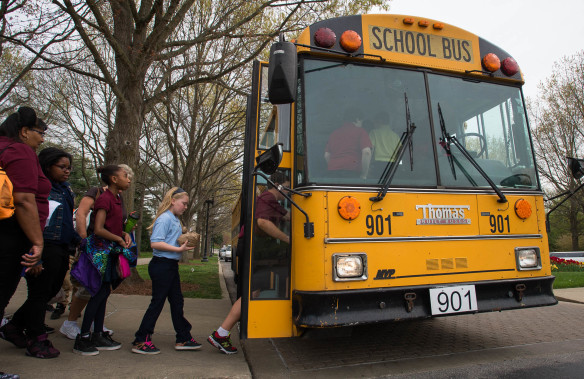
(203, 275)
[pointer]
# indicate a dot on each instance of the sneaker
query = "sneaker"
(105, 330)
(84, 346)
(41, 347)
(58, 312)
(11, 333)
(48, 329)
(4, 375)
(222, 343)
(187, 345)
(146, 347)
(4, 322)
(103, 341)
(70, 329)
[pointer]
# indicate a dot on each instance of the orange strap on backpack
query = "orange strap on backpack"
(6, 198)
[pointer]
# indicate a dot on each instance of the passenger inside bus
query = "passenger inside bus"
(348, 151)
(384, 140)
(271, 244)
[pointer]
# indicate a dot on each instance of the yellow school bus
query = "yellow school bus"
(413, 190)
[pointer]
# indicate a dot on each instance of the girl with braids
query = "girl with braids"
(21, 235)
(163, 270)
(102, 249)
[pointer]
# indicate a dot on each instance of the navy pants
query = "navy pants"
(165, 285)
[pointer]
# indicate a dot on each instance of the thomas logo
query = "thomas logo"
(384, 274)
(443, 214)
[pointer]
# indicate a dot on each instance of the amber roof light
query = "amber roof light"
(491, 62)
(350, 41)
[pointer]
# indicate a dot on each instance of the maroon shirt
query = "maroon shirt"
(112, 204)
(268, 208)
(24, 171)
(345, 146)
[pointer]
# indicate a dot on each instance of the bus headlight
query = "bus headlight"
(527, 258)
(349, 266)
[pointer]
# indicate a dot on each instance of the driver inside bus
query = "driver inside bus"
(348, 151)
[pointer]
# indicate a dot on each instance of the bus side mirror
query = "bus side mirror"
(282, 73)
(576, 167)
(269, 160)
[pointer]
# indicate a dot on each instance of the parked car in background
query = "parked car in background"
(227, 254)
(222, 253)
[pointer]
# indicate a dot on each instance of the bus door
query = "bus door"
(266, 267)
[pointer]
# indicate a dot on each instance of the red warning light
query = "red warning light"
(324, 37)
(509, 66)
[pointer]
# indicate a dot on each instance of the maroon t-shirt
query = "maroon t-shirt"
(345, 145)
(24, 171)
(268, 208)
(112, 204)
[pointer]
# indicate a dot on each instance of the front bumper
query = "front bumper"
(343, 308)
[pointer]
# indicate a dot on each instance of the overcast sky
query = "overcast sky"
(536, 33)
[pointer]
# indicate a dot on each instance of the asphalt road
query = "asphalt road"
(545, 342)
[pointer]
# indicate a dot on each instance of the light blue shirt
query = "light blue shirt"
(167, 229)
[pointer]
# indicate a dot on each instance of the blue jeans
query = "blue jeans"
(165, 284)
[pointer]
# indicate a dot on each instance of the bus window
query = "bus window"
(381, 110)
(486, 120)
(270, 259)
(274, 120)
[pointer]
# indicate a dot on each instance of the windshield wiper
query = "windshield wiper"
(447, 139)
(405, 141)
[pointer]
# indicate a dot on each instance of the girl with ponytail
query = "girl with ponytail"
(163, 270)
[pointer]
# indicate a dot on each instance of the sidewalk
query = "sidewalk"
(124, 313)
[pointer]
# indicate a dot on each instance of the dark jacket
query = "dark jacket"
(59, 228)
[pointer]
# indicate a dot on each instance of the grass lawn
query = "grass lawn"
(199, 279)
(145, 254)
(568, 279)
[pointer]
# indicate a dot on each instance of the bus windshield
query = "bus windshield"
(350, 118)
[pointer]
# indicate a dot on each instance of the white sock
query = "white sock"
(222, 332)
(70, 323)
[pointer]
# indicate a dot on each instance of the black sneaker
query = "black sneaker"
(11, 333)
(187, 345)
(146, 347)
(84, 346)
(103, 341)
(41, 347)
(58, 312)
(48, 329)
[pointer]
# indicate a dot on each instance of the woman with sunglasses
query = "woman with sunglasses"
(21, 235)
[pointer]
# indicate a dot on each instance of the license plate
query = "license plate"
(444, 300)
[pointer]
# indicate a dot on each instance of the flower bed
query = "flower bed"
(560, 264)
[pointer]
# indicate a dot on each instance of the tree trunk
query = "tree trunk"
(574, 207)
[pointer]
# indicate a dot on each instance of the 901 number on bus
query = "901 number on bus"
(459, 299)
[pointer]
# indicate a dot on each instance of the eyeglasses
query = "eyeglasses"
(65, 168)
(39, 132)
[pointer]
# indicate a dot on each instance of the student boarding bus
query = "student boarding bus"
(413, 190)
